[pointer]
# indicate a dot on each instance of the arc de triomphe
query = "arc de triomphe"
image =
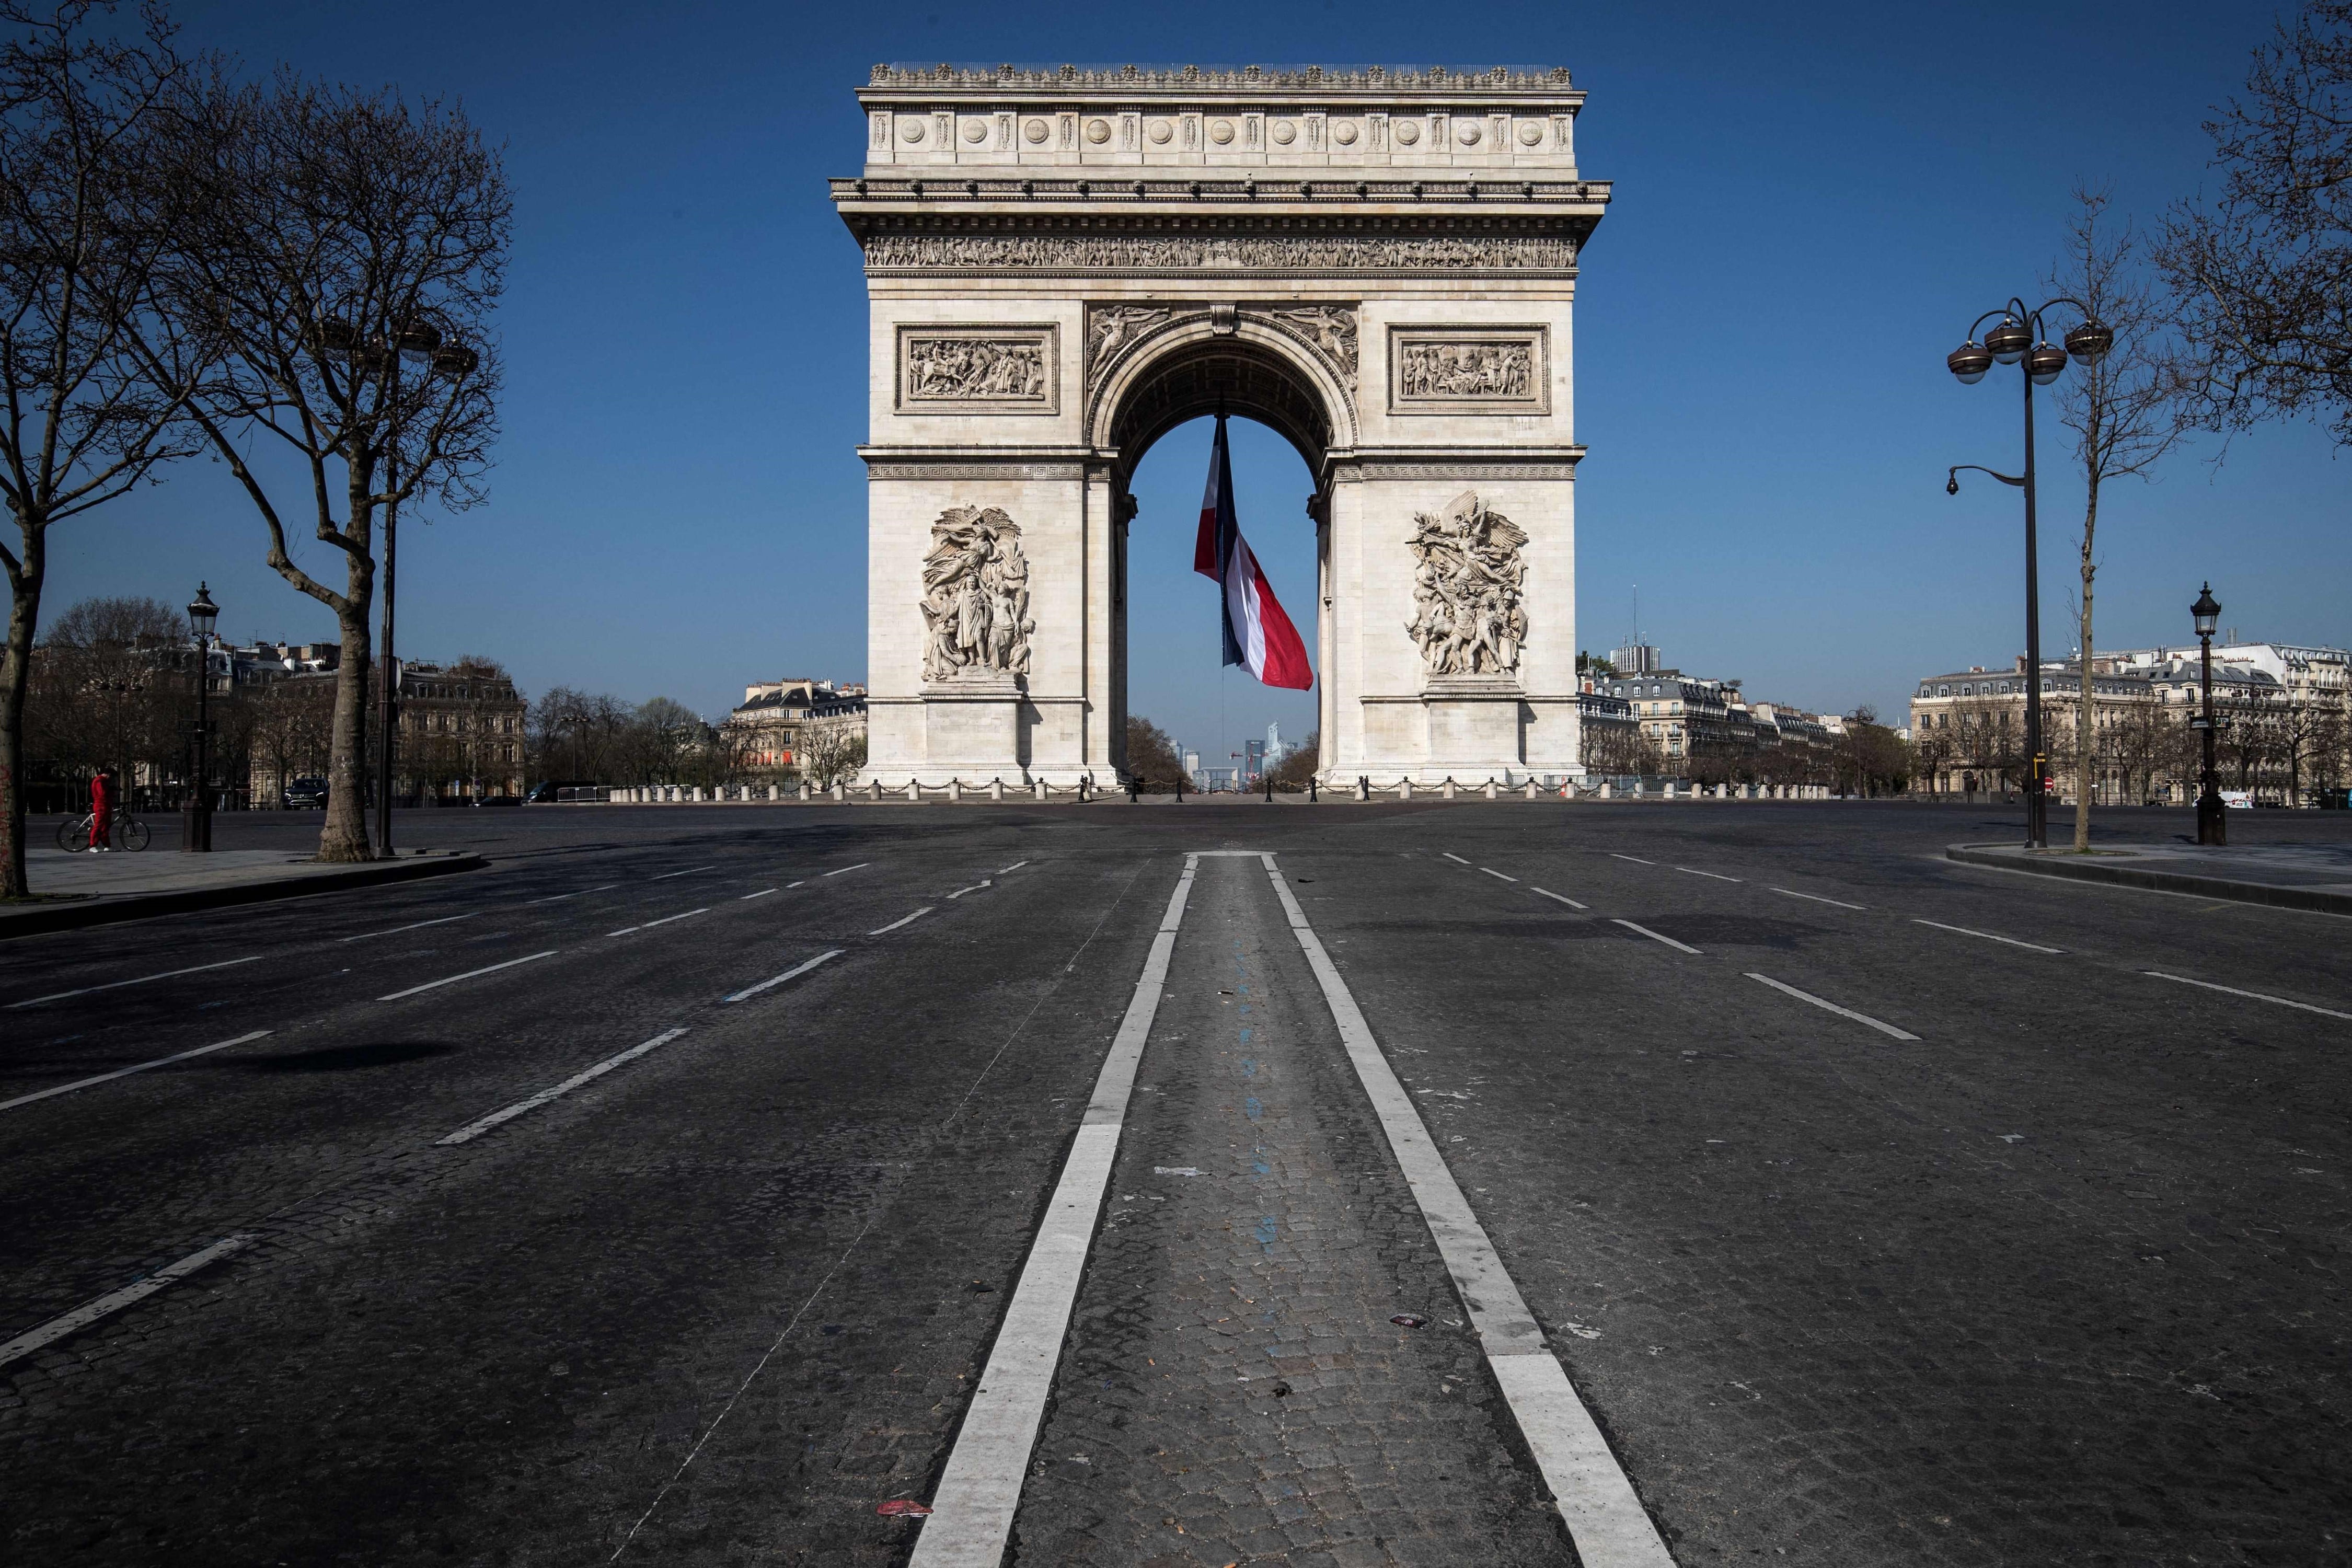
(1065, 265)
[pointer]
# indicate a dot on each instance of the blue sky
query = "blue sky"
(1812, 202)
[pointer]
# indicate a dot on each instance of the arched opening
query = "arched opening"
(1288, 415)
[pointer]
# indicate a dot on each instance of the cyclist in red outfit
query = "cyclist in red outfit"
(101, 812)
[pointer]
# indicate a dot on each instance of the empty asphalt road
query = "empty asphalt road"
(1154, 1185)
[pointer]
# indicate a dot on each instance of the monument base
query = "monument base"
(1475, 729)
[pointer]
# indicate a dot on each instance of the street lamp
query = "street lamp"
(196, 811)
(2020, 338)
(420, 344)
(2213, 818)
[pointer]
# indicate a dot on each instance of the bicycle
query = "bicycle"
(129, 833)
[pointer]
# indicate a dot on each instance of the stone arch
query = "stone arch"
(1206, 360)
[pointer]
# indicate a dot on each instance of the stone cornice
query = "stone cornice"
(1138, 196)
(1180, 81)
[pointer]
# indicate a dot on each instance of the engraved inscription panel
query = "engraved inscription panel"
(1498, 370)
(979, 369)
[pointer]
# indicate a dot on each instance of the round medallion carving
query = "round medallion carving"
(1221, 132)
(975, 130)
(914, 131)
(1344, 133)
(1160, 132)
(1284, 133)
(1097, 131)
(1531, 133)
(1035, 130)
(1407, 133)
(1467, 136)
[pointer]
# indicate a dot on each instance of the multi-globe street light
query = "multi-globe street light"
(2213, 818)
(2021, 338)
(196, 810)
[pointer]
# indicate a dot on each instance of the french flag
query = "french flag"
(1257, 633)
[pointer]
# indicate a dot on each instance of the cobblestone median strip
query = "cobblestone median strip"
(972, 1512)
(1605, 1518)
(89, 1313)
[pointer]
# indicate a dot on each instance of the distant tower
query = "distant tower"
(1636, 657)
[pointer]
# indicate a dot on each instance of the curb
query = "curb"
(146, 906)
(2285, 898)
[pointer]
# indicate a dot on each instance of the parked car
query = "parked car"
(498, 800)
(549, 791)
(304, 794)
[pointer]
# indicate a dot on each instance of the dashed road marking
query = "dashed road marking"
(1816, 898)
(1492, 872)
(113, 1302)
(789, 885)
(793, 973)
(1718, 875)
(2209, 985)
(663, 922)
(474, 1130)
(984, 882)
(1986, 935)
(1450, 854)
(1559, 898)
(1834, 1007)
(760, 894)
(690, 871)
(1654, 936)
(1604, 1517)
(119, 985)
(126, 1072)
(902, 921)
(972, 1512)
(419, 925)
(1635, 859)
(846, 869)
(452, 980)
(575, 893)
(1014, 867)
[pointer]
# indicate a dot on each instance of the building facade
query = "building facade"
(461, 732)
(779, 721)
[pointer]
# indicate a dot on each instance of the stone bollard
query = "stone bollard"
(1405, 789)
(1038, 789)
(1363, 788)
(997, 789)
(1490, 789)
(1449, 786)
(955, 789)
(914, 789)
(1604, 789)
(805, 791)
(1531, 789)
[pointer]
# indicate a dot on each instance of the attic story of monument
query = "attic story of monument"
(1064, 265)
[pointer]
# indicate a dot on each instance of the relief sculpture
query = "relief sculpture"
(1472, 370)
(1112, 327)
(975, 597)
(1113, 253)
(1467, 615)
(976, 370)
(1330, 328)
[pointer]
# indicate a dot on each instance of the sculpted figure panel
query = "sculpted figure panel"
(1331, 329)
(975, 597)
(1467, 370)
(1220, 253)
(1467, 612)
(968, 367)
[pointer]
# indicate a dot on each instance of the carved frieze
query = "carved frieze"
(1220, 253)
(978, 370)
(1467, 617)
(975, 598)
(1499, 370)
(1330, 328)
(1112, 327)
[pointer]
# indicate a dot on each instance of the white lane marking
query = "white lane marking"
(779, 980)
(1492, 872)
(1654, 936)
(2209, 985)
(1986, 935)
(663, 922)
(845, 869)
(119, 985)
(906, 920)
(575, 893)
(113, 1302)
(1547, 893)
(1718, 875)
(420, 925)
(452, 980)
(1450, 854)
(474, 1130)
(1014, 867)
(1816, 898)
(972, 1512)
(126, 1072)
(1604, 1518)
(690, 871)
(984, 882)
(1635, 859)
(760, 894)
(791, 885)
(1834, 1007)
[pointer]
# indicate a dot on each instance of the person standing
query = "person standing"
(101, 812)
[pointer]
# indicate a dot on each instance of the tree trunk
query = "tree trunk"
(2086, 720)
(16, 675)
(344, 835)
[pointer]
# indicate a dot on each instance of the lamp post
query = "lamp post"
(2021, 338)
(2212, 817)
(196, 811)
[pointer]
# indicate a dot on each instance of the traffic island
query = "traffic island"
(2299, 877)
(73, 890)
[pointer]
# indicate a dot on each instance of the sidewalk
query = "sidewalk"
(85, 890)
(2296, 876)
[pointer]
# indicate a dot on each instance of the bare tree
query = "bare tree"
(830, 751)
(2263, 277)
(350, 249)
(81, 418)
